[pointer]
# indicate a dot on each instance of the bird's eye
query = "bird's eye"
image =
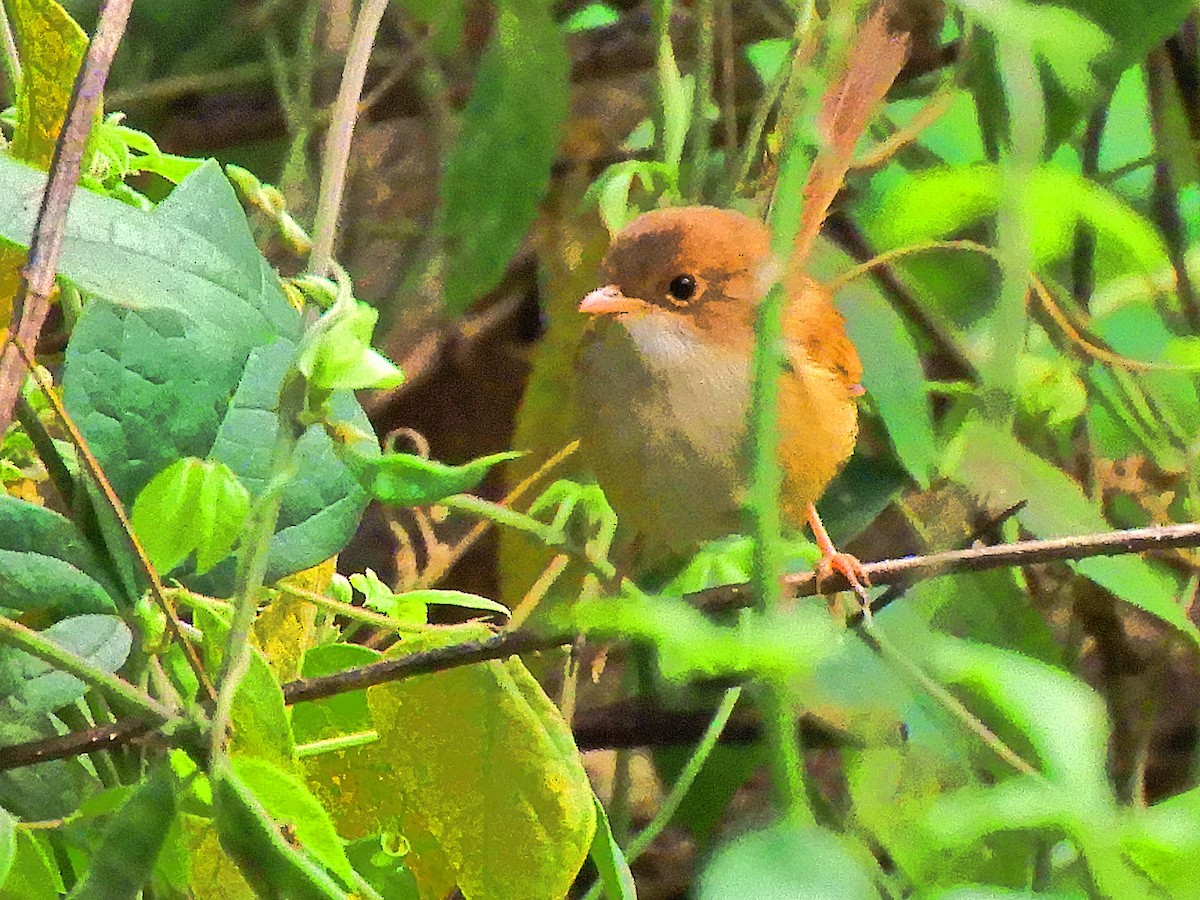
(682, 288)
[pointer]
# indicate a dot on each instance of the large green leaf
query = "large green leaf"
(1002, 473)
(494, 770)
(33, 581)
(26, 528)
(182, 350)
(500, 164)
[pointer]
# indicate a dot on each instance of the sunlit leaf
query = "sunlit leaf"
(192, 505)
(286, 799)
(533, 784)
(939, 203)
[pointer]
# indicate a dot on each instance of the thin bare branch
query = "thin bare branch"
(32, 302)
(340, 134)
(502, 646)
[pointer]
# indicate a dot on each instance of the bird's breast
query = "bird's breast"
(663, 423)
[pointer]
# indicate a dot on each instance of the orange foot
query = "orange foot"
(844, 564)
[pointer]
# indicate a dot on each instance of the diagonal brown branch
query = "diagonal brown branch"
(32, 302)
(908, 569)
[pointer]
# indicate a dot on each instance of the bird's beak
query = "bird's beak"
(608, 301)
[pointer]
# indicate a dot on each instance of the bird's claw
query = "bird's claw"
(849, 567)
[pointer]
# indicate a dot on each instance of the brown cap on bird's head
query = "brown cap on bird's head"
(685, 258)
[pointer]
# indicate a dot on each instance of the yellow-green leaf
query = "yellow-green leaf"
(485, 760)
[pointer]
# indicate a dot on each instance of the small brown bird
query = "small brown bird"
(664, 375)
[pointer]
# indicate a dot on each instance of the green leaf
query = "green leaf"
(379, 597)
(940, 203)
(690, 645)
(594, 15)
(768, 57)
(35, 687)
(1070, 793)
(532, 788)
(499, 166)
(26, 528)
(34, 874)
(263, 729)
(1132, 28)
(30, 581)
(786, 861)
(609, 861)
(51, 48)
(442, 597)
(182, 352)
(276, 869)
(288, 801)
(893, 376)
(1002, 473)
(402, 479)
(191, 505)
(125, 859)
(380, 859)
(677, 105)
(1164, 841)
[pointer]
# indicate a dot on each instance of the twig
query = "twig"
(423, 663)
(338, 137)
(32, 302)
(76, 743)
(977, 559)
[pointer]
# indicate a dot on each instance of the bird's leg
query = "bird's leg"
(834, 560)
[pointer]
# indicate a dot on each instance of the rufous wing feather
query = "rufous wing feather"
(876, 57)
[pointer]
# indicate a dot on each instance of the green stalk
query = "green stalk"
(36, 645)
(786, 759)
(1018, 165)
(699, 135)
(252, 562)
